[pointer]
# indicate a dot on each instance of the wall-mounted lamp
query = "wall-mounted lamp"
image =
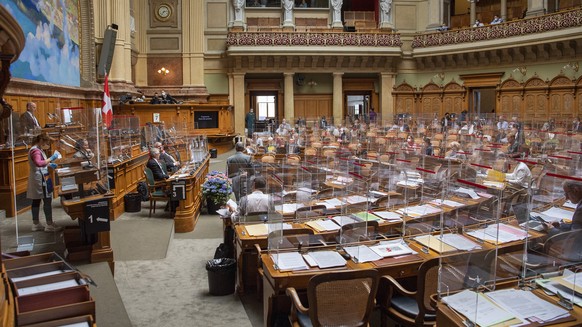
(163, 70)
(312, 83)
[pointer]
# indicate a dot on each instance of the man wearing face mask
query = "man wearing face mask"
(167, 98)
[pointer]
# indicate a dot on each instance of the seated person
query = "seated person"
(254, 202)
(284, 128)
(171, 164)
(443, 28)
(453, 153)
(155, 99)
(167, 98)
(83, 150)
(573, 192)
(521, 175)
(428, 149)
(513, 148)
(155, 165)
(249, 148)
(496, 20)
(477, 23)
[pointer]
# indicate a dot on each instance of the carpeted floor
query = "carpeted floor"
(141, 238)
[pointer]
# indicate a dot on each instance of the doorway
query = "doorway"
(358, 106)
(482, 102)
(265, 105)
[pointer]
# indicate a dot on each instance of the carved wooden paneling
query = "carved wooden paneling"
(313, 105)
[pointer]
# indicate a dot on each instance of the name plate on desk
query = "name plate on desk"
(97, 216)
(179, 190)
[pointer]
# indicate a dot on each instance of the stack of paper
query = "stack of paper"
(378, 193)
(68, 184)
(392, 248)
(344, 220)
(388, 215)
(366, 216)
(325, 259)
(272, 227)
(434, 243)
(288, 208)
(526, 306)
(499, 233)
(477, 308)
(257, 230)
(408, 183)
(468, 191)
(289, 261)
(308, 190)
(554, 214)
(499, 185)
(459, 241)
(47, 287)
(335, 202)
(362, 253)
(323, 225)
(353, 199)
(569, 204)
(448, 203)
(419, 211)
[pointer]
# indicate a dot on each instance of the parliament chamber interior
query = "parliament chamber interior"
(290, 163)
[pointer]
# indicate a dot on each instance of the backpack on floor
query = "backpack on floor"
(142, 189)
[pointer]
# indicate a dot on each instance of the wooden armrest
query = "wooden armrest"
(397, 286)
(258, 248)
(292, 293)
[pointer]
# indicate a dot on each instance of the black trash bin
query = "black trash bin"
(213, 153)
(221, 276)
(132, 202)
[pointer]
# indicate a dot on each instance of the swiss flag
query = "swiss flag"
(107, 109)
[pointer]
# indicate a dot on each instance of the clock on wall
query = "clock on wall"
(163, 12)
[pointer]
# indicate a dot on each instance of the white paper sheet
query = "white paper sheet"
(459, 241)
(475, 307)
(362, 253)
(526, 306)
(343, 220)
(554, 214)
(289, 261)
(392, 248)
(388, 215)
(448, 203)
(328, 259)
(47, 287)
(467, 191)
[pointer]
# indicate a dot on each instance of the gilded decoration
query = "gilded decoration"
(318, 39)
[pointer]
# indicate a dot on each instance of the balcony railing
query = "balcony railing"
(552, 22)
(322, 39)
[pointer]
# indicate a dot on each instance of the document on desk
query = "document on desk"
(272, 227)
(448, 203)
(366, 216)
(288, 208)
(308, 190)
(323, 225)
(390, 216)
(362, 253)
(434, 243)
(327, 259)
(335, 202)
(344, 220)
(257, 230)
(289, 261)
(69, 184)
(392, 248)
(569, 204)
(553, 285)
(467, 191)
(407, 183)
(572, 281)
(49, 273)
(506, 233)
(353, 199)
(459, 241)
(47, 287)
(419, 211)
(554, 214)
(526, 306)
(477, 308)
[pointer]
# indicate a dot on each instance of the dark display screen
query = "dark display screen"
(206, 119)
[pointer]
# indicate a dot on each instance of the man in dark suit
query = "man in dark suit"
(234, 164)
(27, 120)
(155, 165)
(573, 191)
(171, 164)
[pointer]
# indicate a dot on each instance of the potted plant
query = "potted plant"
(217, 189)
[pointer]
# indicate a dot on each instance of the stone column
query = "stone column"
(141, 15)
(535, 8)
(503, 11)
(338, 97)
(239, 102)
(473, 11)
(386, 99)
(288, 97)
(121, 64)
(193, 43)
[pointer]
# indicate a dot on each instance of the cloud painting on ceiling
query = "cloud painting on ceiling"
(51, 29)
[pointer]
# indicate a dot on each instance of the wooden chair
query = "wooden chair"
(326, 295)
(310, 152)
(156, 190)
(410, 308)
(293, 159)
(268, 158)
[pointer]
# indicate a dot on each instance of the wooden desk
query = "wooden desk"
(188, 210)
(14, 172)
(447, 317)
(126, 175)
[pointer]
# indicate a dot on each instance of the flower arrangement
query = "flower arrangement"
(217, 187)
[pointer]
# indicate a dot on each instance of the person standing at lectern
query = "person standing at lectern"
(39, 186)
(28, 120)
(250, 122)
